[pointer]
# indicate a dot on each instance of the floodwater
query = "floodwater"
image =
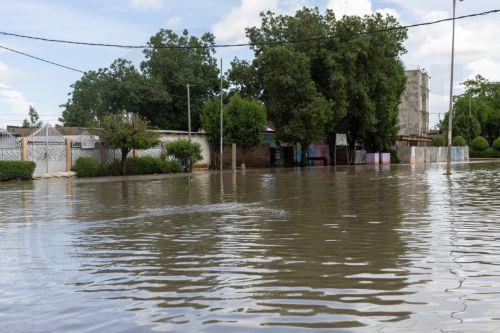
(365, 249)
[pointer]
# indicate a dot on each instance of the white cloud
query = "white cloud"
(148, 4)
(174, 21)
(247, 14)
(389, 11)
(12, 101)
(350, 7)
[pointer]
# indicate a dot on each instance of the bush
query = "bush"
(479, 144)
(89, 167)
(487, 153)
(186, 151)
(142, 165)
(151, 165)
(459, 141)
(16, 170)
(439, 141)
(496, 143)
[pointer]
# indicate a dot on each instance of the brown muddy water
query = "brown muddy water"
(366, 249)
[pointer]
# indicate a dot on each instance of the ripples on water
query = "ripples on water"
(360, 249)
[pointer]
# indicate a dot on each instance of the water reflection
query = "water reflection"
(368, 249)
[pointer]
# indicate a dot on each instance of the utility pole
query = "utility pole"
(189, 112)
(221, 118)
(450, 110)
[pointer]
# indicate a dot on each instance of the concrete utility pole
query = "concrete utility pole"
(450, 110)
(189, 112)
(221, 118)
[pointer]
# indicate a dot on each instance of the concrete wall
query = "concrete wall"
(414, 107)
(418, 155)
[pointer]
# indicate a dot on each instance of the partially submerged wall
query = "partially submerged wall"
(418, 155)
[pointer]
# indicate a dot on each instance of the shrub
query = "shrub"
(487, 153)
(143, 165)
(459, 141)
(496, 143)
(439, 141)
(114, 168)
(186, 151)
(151, 165)
(89, 167)
(14, 170)
(479, 143)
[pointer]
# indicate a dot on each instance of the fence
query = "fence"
(53, 153)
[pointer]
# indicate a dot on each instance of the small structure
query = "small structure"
(10, 150)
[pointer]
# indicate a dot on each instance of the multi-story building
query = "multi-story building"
(414, 107)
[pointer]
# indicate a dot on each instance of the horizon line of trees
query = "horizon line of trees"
(311, 90)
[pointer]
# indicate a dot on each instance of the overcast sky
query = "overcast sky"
(24, 81)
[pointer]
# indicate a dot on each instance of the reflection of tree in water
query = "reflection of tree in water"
(177, 245)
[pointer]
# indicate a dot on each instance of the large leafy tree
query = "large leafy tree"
(127, 132)
(114, 90)
(246, 122)
(361, 75)
(175, 61)
(298, 110)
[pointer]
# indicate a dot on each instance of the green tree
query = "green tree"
(174, 61)
(127, 132)
(119, 88)
(476, 111)
(185, 150)
(294, 105)
(360, 75)
(34, 119)
(210, 121)
(246, 122)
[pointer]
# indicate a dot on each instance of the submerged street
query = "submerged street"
(364, 249)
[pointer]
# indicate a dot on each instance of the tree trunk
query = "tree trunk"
(124, 160)
(303, 155)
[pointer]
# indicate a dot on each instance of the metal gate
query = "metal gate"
(47, 149)
(10, 150)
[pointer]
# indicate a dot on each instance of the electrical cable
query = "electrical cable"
(246, 44)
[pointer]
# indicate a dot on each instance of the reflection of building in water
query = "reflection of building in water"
(414, 107)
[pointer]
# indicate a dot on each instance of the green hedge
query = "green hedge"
(90, 167)
(487, 153)
(459, 141)
(439, 141)
(16, 170)
(479, 144)
(151, 165)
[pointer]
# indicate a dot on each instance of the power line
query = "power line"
(246, 44)
(40, 59)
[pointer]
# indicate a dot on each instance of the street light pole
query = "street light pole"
(450, 110)
(221, 118)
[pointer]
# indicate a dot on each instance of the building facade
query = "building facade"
(414, 107)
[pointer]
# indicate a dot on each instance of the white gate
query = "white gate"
(47, 149)
(10, 150)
